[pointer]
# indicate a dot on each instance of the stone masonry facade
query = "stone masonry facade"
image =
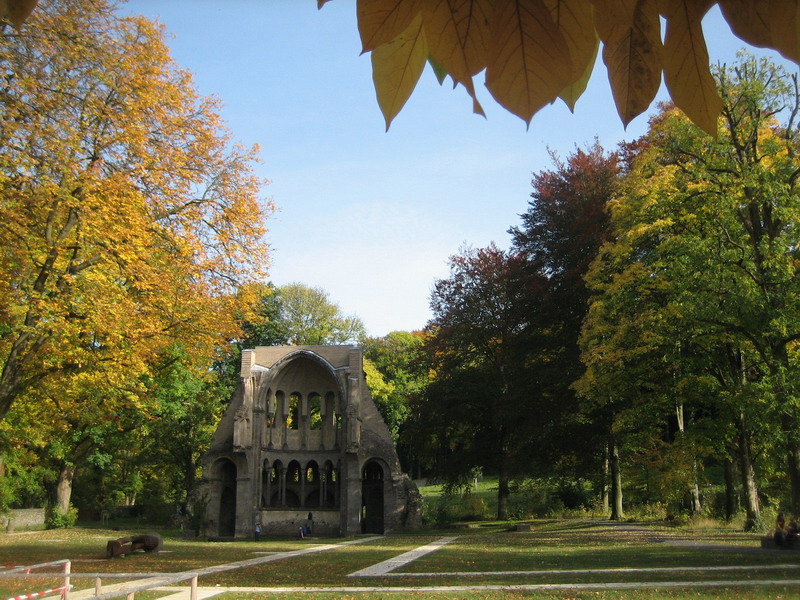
(303, 446)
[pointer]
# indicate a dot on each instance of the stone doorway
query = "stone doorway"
(372, 498)
(227, 504)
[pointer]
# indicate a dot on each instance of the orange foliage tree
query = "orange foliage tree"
(129, 222)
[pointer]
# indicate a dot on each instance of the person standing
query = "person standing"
(779, 534)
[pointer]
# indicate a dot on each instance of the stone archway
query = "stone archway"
(227, 503)
(372, 498)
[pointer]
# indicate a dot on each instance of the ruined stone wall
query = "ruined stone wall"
(288, 522)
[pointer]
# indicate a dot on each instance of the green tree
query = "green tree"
(705, 255)
(308, 317)
(188, 409)
(395, 357)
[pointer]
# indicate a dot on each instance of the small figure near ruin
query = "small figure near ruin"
(779, 533)
(149, 542)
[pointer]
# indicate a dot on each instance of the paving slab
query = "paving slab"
(516, 587)
(382, 568)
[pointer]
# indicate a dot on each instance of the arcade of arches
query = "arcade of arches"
(302, 445)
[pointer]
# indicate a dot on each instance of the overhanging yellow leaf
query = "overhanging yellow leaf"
(529, 62)
(610, 14)
(458, 35)
(476, 106)
(382, 21)
(438, 70)
(574, 20)
(16, 11)
(572, 92)
(632, 52)
(749, 20)
(396, 68)
(457, 32)
(686, 70)
(784, 22)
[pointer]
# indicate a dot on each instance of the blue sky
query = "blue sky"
(372, 216)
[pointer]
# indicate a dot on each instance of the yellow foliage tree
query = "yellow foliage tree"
(128, 220)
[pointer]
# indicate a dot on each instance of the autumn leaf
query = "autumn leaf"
(458, 39)
(686, 69)
(632, 49)
(458, 35)
(574, 20)
(529, 61)
(749, 20)
(382, 21)
(396, 68)
(16, 11)
(575, 90)
(784, 21)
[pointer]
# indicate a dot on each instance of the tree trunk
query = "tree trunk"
(64, 488)
(789, 421)
(503, 492)
(694, 489)
(604, 483)
(730, 489)
(793, 466)
(793, 461)
(752, 504)
(616, 481)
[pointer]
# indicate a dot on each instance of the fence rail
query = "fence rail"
(25, 571)
(129, 593)
(157, 580)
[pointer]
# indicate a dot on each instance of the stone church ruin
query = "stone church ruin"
(302, 445)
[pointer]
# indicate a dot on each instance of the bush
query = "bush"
(58, 519)
(438, 512)
(472, 508)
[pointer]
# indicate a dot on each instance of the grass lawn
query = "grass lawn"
(483, 556)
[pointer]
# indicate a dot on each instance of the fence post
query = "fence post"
(67, 570)
(97, 586)
(193, 589)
